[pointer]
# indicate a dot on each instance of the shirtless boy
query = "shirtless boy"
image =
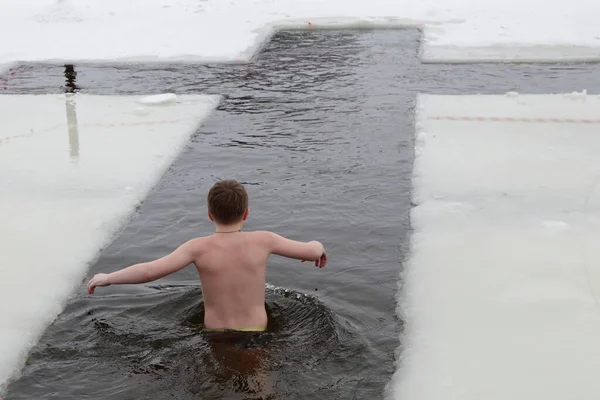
(231, 263)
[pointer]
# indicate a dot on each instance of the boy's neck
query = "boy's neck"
(229, 228)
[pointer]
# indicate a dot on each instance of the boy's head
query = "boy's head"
(227, 202)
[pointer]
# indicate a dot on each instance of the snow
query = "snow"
(72, 170)
(232, 31)
(501, 290)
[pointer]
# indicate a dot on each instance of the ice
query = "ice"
(72, 169)
(556, 226)
(159, 99)
(229, 31)
(500, 292)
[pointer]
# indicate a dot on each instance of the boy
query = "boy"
(231, 263)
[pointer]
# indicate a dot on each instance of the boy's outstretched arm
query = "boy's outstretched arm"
(305, 251)
(183, 256)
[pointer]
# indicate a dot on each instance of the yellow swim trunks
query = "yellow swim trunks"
(249, 329)
(241, 337)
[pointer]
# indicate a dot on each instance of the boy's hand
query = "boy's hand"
(97, 281)
(321, 262)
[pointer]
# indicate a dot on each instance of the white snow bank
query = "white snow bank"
(229, 31)
(72, 169)
(502, 286)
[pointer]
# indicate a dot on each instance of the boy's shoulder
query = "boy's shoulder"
(266, 235)
(260, 236)
(203, 244)
(260, 233)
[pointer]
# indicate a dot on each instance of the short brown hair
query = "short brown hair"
(227, 201)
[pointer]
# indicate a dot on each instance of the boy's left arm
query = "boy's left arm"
(183, 256)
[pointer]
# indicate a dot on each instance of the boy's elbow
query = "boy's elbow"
(149, 275)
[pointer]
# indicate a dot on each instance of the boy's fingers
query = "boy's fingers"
(91, 286)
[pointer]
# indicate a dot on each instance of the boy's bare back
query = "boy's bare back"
(231, 263)
(232, 269)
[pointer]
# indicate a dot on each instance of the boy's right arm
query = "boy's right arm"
(183, 256)
(305, 251)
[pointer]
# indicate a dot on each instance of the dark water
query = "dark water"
(320, 128)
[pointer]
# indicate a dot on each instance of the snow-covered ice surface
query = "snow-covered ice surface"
(502, 286)
(229, 31)
(72, 170)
